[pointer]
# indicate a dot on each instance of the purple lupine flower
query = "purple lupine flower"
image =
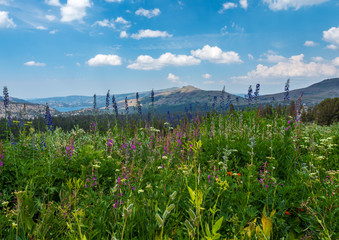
(107, 100)
(48, 118)
(256, 93)
(115, 106)
(126, 105)
(1, 163)
(287, 91)
(249, 94)
(94, 101)
(6, 97)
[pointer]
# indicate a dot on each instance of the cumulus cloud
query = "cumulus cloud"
(243, 4)
(5, 21)
(148, 13)
(105, 60)
(4, 2)
(207, 76)
(226, 6)
(74, 10)
(216, 55)
(272, 57)
(41, 28)
(53, 31)
(34, 64)
(317, 59)
(150, 34)
(121, 20)
(55, 3)
(172, 77)
(310, 44)
(332, 46)
(335, 61)
(123, 34)
(105, 23)
(332, 36)
(294, 67)
(277, 5)
(250, 56)
(50, 17)
(146, 62)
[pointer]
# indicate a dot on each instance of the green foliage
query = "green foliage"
(209, 177)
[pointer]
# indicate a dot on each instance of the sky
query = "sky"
(54, 48)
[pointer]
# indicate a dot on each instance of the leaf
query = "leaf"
(170, 208)
(189, 226)
(266, 225)
(217, 225)
(192, 193)
(208, 232)
(159, 220)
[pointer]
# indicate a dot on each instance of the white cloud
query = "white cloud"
(78, 64)
(148, 13)
(105, 60)
(310, 44)
(105, 23)
(172, 77)
(121, 20)
(53, 31)
(50, 17)
(243, 4)
(150, 34)
(227, 5)
(4, 2)
(335, 61)
(317, 59)
(250, 56)
(332, 36)
(207, 76)
(55, 3)
(146, 62)
(272, 57)
(216, 55)
(294, 67)
(123, 34)
(34, 64)
(277, 5)
(5, 21)
(74, 10)
(332, 46)
(41, 28)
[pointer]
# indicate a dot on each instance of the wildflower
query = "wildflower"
(107, 100)
(287, 212)
(209, 180)
(249, 94)
(115, 106)
(229, 173)
(48, 118)
(239, 174)
(94, 101)
(126, 105)
(109, 143)
(140, 191)
(6, 98)
(287, 91)
(256, 93)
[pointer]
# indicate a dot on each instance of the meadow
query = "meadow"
(230, 175)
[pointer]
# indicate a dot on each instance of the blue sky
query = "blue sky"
(81, 47)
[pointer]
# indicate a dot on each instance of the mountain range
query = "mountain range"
(173, 99)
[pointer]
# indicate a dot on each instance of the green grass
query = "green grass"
(239, 176)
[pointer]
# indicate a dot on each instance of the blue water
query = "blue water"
(68, 109)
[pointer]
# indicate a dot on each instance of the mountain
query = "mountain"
(87, 101)
(180, 99)
(312, 95)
